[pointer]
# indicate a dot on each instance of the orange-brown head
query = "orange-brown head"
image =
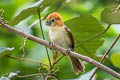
(54, 20)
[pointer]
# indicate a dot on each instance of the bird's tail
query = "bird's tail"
(77, 65)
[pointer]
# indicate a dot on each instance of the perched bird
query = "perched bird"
(62, 36)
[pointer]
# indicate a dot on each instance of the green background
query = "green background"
(83, 17)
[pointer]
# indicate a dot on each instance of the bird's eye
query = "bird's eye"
(52, 20)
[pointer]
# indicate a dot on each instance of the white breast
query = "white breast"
(60, 37)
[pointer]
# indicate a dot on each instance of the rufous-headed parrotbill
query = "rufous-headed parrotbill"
(62, 36)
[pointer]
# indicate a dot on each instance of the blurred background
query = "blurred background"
(37, 52)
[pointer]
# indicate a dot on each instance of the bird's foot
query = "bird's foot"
(51, 45)
(68, 51)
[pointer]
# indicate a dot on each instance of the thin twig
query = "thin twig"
(30, 75)
(22, 48)
(59, 59)
(105, 55)
(83, 48)
(57, 62)
(62, 50)
(43, 37)
(2, 12)
(50, 77)
(24, 59)
(93, 37)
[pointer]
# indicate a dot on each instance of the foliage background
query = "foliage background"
(37, 52)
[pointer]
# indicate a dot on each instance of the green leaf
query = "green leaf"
(84, 27)
(115, 59)
(65, 69)
(32, 10)
(102, 75)
(4, 51)
(111, 15)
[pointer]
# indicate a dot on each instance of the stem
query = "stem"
(43, 37)
(62, 50)
(30, 75)
(88, 53)
(105, 55)
(59, 59)
(2, 12)
(22, 48)
(56, 62)
(95, 36)
(24, 59)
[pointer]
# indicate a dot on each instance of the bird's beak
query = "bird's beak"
(48, 23)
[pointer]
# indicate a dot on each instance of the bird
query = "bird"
(61, 35)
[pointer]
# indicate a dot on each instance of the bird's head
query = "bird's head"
(54, 20)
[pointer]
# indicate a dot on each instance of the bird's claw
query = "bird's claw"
(51, 44)
(68, 51)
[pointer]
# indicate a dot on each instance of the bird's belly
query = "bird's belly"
(61, 39)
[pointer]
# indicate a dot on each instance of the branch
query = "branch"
(24, 59)
(105, 55)
(30, 75)
(62, 50)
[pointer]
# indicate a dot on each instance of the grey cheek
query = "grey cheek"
(48, 23)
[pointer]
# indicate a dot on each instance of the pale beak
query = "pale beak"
(48, 23)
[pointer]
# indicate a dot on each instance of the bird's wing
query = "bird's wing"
(71, 37)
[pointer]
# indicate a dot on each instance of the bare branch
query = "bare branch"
(105, 55)
(62, 50)
(30, 75)
(24, 59)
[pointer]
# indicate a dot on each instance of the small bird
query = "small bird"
(62, 36)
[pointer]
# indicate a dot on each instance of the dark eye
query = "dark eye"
(52, 20)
